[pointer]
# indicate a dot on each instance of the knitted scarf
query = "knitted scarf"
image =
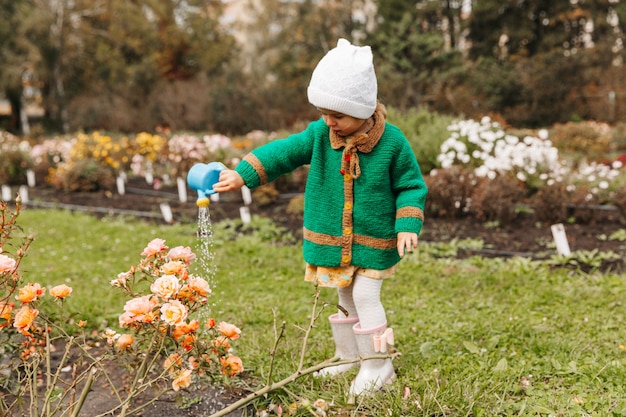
(363, 142)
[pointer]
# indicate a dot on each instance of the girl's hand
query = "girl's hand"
(406, 242)
(230, 180)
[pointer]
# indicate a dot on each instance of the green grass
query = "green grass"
(478, 337)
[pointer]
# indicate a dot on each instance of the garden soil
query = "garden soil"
(523, 237)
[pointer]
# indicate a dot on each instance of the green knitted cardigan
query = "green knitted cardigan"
(360, 192)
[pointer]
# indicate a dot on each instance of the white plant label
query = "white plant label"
(6, 193)
(121, 188)
(182, 189)
(24, 194)
(244, 212)
(560, 239)
(246, 195)
(30, 178)
(166, 211)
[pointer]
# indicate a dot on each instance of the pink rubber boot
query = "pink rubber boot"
(345, 344)
(374, 372)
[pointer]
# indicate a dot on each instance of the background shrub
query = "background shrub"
(497, 199)
(590, 140)
(15, 159)
(619, 200)
(450, 191)
(84, 175)
(550, 203)
(425, 131)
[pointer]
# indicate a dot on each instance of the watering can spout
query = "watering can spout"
(202, 178)
(203, 200)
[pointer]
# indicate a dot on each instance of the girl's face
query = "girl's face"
(341, 124)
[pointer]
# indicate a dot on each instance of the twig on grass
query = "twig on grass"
(291, 378)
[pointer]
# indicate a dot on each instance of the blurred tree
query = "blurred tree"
(286, 40)
(544, 50)
(130, 64)
(15, 54)
(55, 29)
(416, 50)
(122, 48)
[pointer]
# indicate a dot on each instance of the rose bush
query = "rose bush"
(168, 335)
(170, 317)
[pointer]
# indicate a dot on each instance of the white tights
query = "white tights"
(362, 299)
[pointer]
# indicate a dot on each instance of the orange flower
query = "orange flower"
(27, 353)
(60, 291)
(187, 342)
(200, 286)
(172, 361)
(229, 330)
(221, 342)
(185, 328)
(24, 319)
(30, 293)
(183, 380)
(173, 312)
(155, 247)
(231, 365)
(210, 323)
(6, 308)
(174, 268)
(185, 293)
(124, 341)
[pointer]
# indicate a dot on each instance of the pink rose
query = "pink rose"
(155, 247)
(6, 264)
(140, 308)
(180, 253)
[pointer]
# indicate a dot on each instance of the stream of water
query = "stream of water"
(205, 252)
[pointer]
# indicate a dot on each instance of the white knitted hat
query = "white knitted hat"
(344, 81)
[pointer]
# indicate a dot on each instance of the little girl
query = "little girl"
(363, 203)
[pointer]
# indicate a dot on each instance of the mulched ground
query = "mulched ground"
(525, 237)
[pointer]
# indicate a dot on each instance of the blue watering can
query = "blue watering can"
(202, 177)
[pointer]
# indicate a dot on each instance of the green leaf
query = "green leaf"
(542, 410)
(428, 349)
(471, 347)
(501, 366)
